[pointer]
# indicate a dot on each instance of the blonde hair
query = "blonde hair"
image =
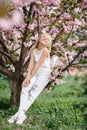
(47, 45)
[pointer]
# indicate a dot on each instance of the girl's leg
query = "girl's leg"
(23, 101)
(25, 95)
(39, 85)
(35, 90)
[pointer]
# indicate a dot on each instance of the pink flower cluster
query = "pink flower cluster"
(85, 54)
(15, 19)
(32, 26)
(22, 3)
(84, 3)
(73, 25)
(51, 2)
(69, 55)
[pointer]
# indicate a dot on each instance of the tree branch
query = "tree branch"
(27, 62)
(6, 50)
(3, 44)
(6, 72)
(38, 23)
(2, 62)
(8, 56)
(70, 63)
(57, 36)
(23, 49)
(82, 49)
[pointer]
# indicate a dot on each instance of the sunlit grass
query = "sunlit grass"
(61, 109)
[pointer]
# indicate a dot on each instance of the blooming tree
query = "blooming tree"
(20, 25)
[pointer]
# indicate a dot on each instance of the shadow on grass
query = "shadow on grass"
(4, 104)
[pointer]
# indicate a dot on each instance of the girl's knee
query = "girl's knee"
(24, 90)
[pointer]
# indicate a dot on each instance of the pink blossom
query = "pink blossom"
(47, 90)
(17, 18)
(84, 3)
(16, 33)
(84, 23)
(85, 54)
(67, 16)
(16, 46)
(56, 72)
(55, 2)
(21, 3)
(54, 60)
(26, 44)
(73, 25)
(54, 30)
(44, 1)
(60, 63)
(17, 2)
(67, 28)
(85, 32)
(58, 81)
(51, 2)
(6, 24)
(58, 45)
(45, 29)
(70, 55)
(32, 26)
(77, 22)
(82, 44)
(72, 40)
(77, 10)
(9, 22)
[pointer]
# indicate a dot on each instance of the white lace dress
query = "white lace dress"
(37, 84)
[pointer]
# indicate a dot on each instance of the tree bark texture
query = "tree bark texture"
(15, 92)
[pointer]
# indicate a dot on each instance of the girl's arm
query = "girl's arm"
(31, 63)
(30, 67)
(45, 53)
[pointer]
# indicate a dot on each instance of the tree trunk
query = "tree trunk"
(15, 92)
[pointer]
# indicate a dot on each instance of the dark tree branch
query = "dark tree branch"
(82, 49)
(3, 45)
(69, 34)
(27, 62)
(8, 56)
(23, 49)
(6, 72)
(38, 23)
(70, 63)
(5, 49)
(57, 36)
(2, 62)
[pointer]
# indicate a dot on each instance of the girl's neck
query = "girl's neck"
(40, 48)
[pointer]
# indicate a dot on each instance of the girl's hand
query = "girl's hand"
(26, 82)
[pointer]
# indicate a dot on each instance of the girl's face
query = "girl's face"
(44, 41)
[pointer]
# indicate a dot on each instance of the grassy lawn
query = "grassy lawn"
(64, 108)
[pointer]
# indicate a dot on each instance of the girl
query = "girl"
(37, 77)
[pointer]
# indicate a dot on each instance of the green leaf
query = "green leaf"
(75, 15)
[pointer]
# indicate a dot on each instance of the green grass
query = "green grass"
(64, 108)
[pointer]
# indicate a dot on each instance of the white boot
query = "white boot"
(21, 119)
(13, 118)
